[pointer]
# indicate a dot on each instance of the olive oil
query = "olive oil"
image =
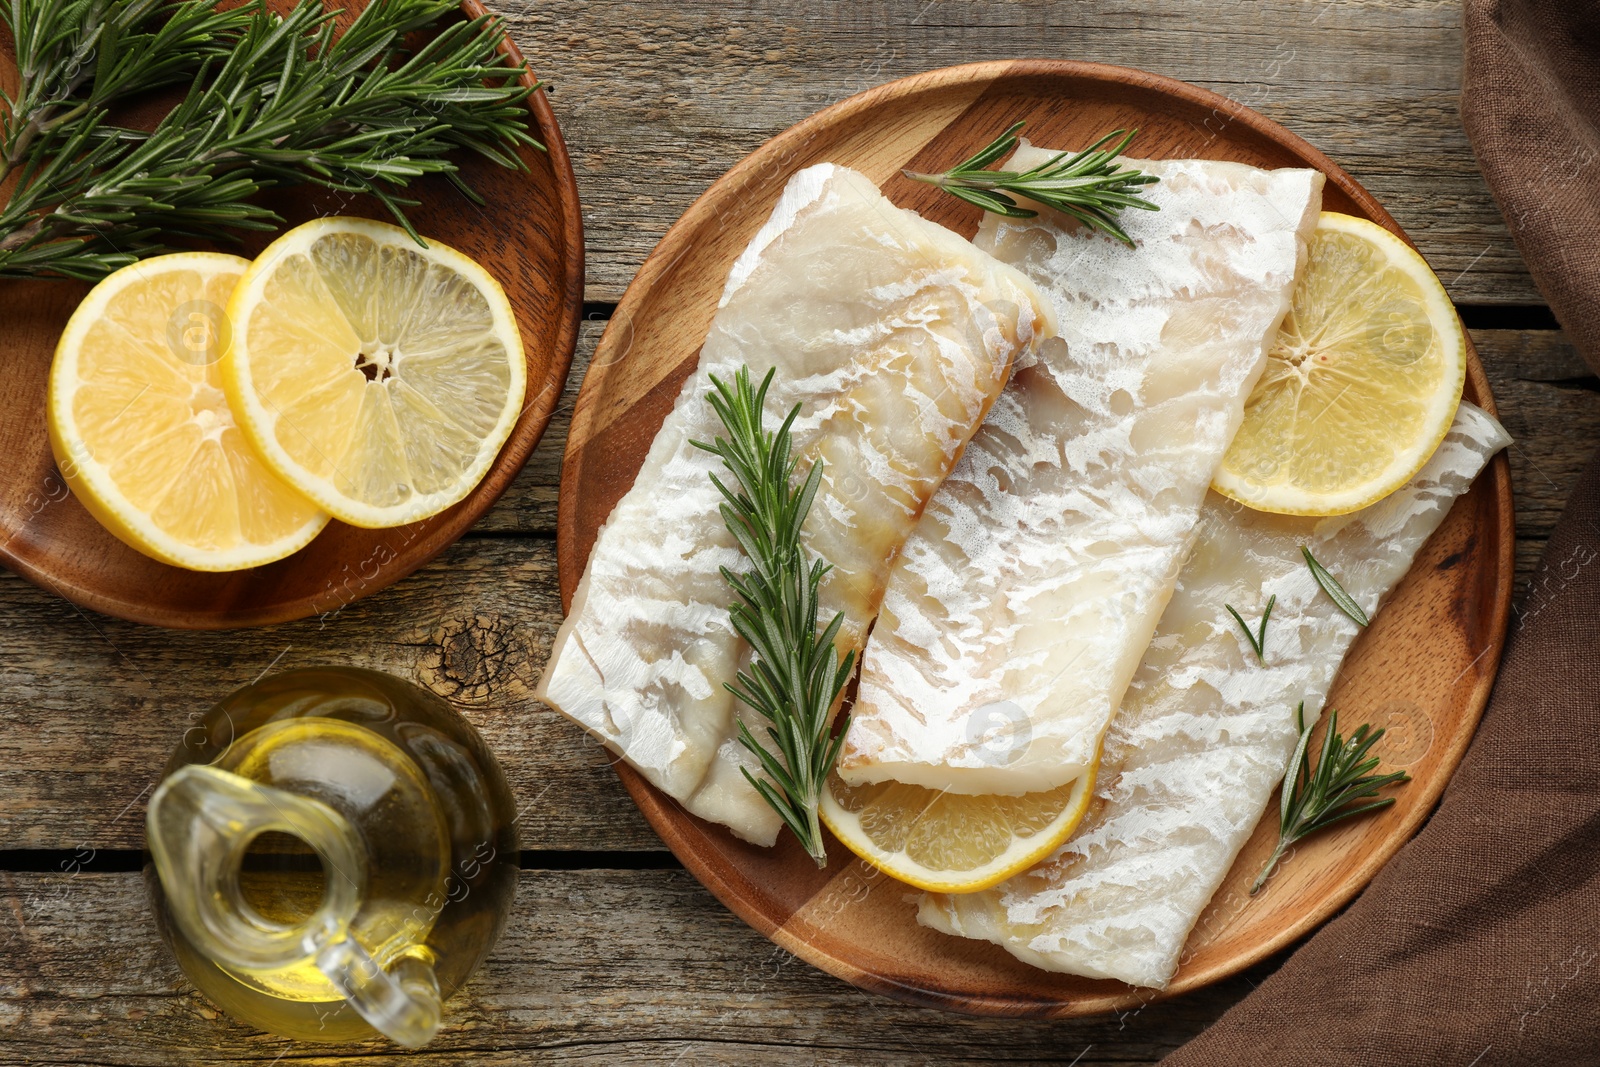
(437, 858)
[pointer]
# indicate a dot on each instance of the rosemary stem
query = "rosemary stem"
(36, 124)
(39, 119)
(1272, 862)
(37, 127)
(18, 238)
(1001, 179)
(1092, 186)
(814, 846)
(1340, 786)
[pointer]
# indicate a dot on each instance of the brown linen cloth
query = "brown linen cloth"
(1479, 945)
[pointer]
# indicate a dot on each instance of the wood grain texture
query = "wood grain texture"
(595, 967)
(78, 760)
(1423, 670)
(658, 98)
(531, 240)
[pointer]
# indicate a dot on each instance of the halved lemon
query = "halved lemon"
(1361, 384)
(952, 842)
(143, 434)
(377, 376)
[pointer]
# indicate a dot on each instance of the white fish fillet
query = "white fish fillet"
(1021, 604)
(895, 335)
(1205, 733)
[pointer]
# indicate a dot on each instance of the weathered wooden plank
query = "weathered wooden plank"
(94, 705)
(529, 504)
(657, 98)
(612, 967)
(1549, 400)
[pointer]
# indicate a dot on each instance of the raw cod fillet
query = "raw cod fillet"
(1022, 603)
(1205, 733)
(895, 335)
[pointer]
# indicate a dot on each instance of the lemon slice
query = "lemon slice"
(376, 376)
(952, 842)
(1361, 384)
(143, 434)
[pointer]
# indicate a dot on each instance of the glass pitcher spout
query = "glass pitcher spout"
(202, 820)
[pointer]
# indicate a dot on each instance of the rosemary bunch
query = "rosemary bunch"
(796, 674)
(77, 56)
(1089, 185)
(1317, 798)
(287, 101)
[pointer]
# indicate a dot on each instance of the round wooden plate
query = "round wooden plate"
(1423, 669)
(529, 234)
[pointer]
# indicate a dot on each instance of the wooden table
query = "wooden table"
(614, 954)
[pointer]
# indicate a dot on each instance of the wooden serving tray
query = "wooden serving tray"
(529, 235)
(1423, 670)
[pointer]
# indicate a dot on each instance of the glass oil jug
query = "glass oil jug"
(334, 854)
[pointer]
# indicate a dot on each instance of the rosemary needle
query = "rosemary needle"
(1315, 798)
(796, 674)
(1090, 186)
(1330, 585)
(1257, 639)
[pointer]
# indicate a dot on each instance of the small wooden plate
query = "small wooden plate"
(1423, 670)
(529, 235)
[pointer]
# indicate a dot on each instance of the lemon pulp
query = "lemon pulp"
(952, 842)
(1361, 384)
(142, 431)
(377, 376)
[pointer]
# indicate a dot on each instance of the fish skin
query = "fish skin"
(895, 336)
(1205, 732)
(1021, 604)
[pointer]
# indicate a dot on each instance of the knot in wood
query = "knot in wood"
(470, 660)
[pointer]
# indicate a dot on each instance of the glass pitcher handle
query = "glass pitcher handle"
(201, 821)
(402, 1003)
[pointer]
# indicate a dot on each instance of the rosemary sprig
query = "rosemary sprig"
(1089, 185)
(1258, 640)
(289, 102)
(796, 674)
(1330, 585)
(1317, 798)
